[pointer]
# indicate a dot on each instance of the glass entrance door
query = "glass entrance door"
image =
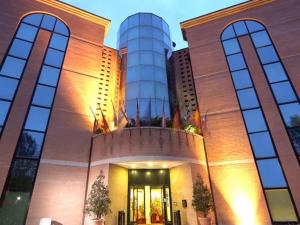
(150, 205)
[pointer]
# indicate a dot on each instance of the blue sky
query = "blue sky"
(172, 11)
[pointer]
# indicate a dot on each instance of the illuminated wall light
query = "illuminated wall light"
(150, 164)
(19, 198)
(244, 209)
(161, 171)
(148, 173)
(165, 166)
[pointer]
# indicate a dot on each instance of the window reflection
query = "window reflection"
(37, 118)
(13, 67)
(241, 79)
(262, 145)
(30, 144)
(8, 87)
(291, 114)
(4, 106)
(27, 32)
(254, 120)
(236, 62)
(283, 92)
(267, 54)
(20, 48)
(54, 58)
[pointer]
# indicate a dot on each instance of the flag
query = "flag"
(149, 112)
(176, 120)
(115, 114)
(104, 124)
(95, 120)
(163, 118)
(137, 118)
(197, 121)
(122, 118)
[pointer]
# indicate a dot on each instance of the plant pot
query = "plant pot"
(204, 221)
(98, 222)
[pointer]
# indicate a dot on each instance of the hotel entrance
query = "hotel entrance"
(149, 198)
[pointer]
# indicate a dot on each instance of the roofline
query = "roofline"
(78, 12)
(221, 13)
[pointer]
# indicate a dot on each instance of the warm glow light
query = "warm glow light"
(165, 166)
(150, 163)
(19, 198)
(133, 166)
(241, 190)
(243, 208)
(148, 173)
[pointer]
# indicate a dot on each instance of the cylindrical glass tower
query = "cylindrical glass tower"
(147, 39)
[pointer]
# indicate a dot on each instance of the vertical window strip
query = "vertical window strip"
(281, 87)
(23, 170)
(16, 59)
(271, 174)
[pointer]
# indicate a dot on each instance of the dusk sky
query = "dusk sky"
(172, 11)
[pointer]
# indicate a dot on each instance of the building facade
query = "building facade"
(72, 108)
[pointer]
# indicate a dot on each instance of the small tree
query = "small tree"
(98, 202)
(202, 199)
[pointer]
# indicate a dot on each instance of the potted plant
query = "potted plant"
(98, 202)
(202, 201)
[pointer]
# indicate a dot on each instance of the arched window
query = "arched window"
(21, 177)
(275, 187)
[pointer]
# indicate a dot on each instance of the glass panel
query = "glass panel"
(145, 32)
(133, 45)
(145, 19)
(236, 62)
(140, 205)
(48, 22)
(275, 72)
(14, 208)
(146, 89)
(43, 95)
(156, 206)
(261, 39)
(49, 76)
(158, 46)
(61, 28)
(132, 91)
(34, 19)
(295, 136)
(146, 58)
(54, 58)
(4, 107)
(241, 79)
(59, 42)
(27, 32)
(20, 48)
(254, 120)
(159, 60)
(147, 73)
(231, 46)
(267, 54)
(291, 114)
(254, 26)
(133, 21)
(13, 67)
(228, 33)
(281, 206)
(160, 75)
(131, 108)
(145, 44)
(240, 28)
(37, 119)
(8, 87)
(30, 144)
(248, 98)
(133, 74)
(133, 59)
(133, 33)
(283, 92)
(158, 34)
(166, 27)
(22, 175)
(271, 173)
(161, 91)
(157, 22)
(262, 144)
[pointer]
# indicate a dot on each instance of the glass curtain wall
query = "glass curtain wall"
(15, 198)
(147, 39)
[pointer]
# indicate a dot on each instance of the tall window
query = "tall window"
(20, 181)
(275, 187)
